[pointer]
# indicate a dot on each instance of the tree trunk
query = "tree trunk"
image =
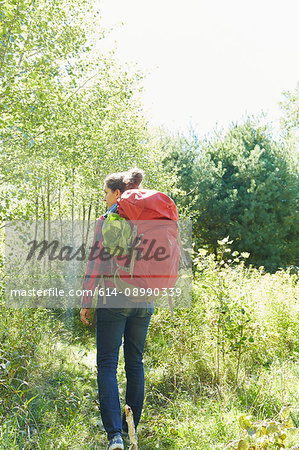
(36, 216)
(49, 223)
(88, 221)
(73, 203)
(59, 212)
(44, 225)
(97, 209)
(83, 221)
(49, 210)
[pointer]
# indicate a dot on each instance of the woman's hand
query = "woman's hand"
(85, 315)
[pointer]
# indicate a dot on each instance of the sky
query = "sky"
(209, 62)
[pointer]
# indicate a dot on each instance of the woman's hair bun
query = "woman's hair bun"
(125, 180)
(133, 178)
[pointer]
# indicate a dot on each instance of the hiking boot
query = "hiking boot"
(116, 443)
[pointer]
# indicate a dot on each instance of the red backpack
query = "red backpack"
(152, 266)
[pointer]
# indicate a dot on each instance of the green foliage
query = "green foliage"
(198, 383)
(245, 317)
(233, 351)
(181, 157)
(69, 116)
(242, 185)
(290, 118)
(265, 434)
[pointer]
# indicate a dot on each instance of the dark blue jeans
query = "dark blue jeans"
(113, 324)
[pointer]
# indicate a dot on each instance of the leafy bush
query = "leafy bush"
(241, 318)
(266, 434)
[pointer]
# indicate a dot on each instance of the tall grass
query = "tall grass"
(234, 352)
(237, 349)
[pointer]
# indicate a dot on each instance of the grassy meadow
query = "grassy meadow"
(223, 374)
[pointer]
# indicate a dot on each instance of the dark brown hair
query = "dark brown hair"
(125, 180)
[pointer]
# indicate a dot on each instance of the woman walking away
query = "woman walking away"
(130, 323)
